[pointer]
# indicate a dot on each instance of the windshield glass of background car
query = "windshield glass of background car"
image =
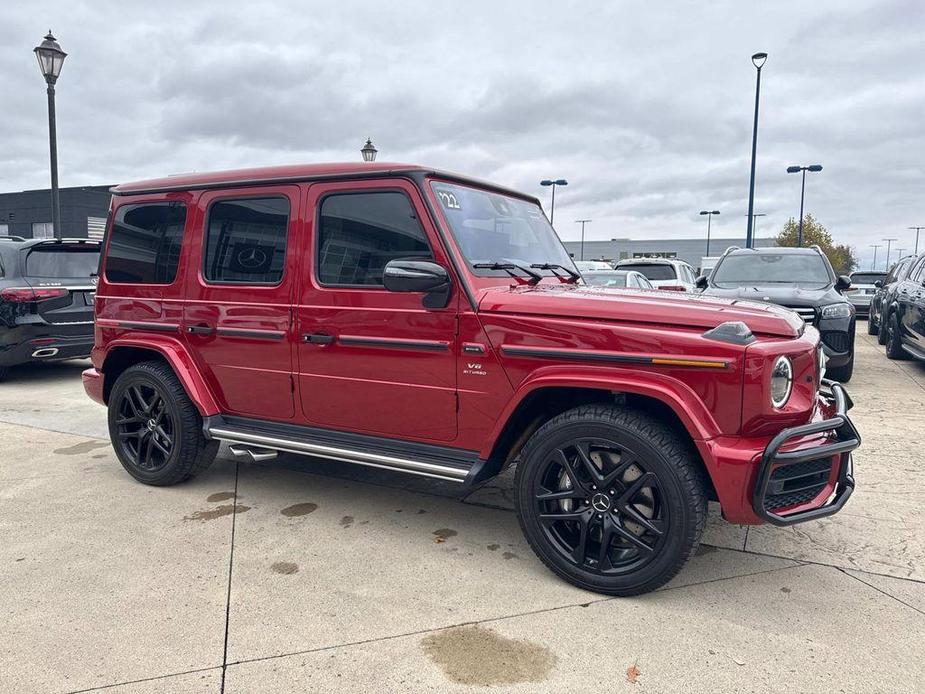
(807, 270)
(653, 272)
(63, 261)
(866, 277)
(494, 228)
(605, 279)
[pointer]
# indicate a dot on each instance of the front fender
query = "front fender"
(174, 353)
(677, 395)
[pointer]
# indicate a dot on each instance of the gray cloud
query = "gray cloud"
(646, 109)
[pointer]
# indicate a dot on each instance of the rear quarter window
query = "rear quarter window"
(66, 261)
(145, 242)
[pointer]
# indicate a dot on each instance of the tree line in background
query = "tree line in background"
(842, 256)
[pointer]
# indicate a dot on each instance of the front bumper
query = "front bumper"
(811, 482)
(861, 302)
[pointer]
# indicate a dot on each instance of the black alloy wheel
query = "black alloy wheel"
(600, 507)
(894, 342)
(155, 428)
(146, 427)
(610, 498)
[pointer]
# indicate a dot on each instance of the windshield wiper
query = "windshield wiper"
(535, 277)
(552, 267)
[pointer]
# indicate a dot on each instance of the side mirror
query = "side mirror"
(419, 276)
(701, 282)
(842, 283)
(879, 284)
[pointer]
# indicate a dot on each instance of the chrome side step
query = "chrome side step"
(244, 438)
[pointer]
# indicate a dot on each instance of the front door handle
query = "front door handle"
(318, 338)
(201, 329)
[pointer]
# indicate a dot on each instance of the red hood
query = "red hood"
(596, 303)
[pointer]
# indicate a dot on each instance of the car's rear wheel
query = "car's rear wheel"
(4, 372)
(610, 499)
(155, 429)
(894, 343)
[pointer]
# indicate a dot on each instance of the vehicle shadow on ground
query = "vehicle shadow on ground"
(42, 372)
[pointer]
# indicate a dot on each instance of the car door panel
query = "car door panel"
(371, 360)
(238, 324)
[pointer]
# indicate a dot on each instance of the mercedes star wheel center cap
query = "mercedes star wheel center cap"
(600, 502)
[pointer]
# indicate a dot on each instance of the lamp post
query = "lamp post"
(797, 169)
(51, 59)
(557, 182)
(755, 226)
(875, 246)
(582, 247)
(369, 152)
(709, 215)
(758, 60)
(917, 230)
(888, 242)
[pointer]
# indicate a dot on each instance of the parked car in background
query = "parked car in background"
(883, 296)
(663, 273)
(592, 265)
(905, 315)
(46, 300)
(629, 279)
(800, 279)
(707, 263)
(431, 324)
(862, 290)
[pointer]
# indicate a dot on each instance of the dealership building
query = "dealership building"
(28, 213)
(688, 250)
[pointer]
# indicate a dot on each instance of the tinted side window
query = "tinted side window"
(917, 272)
(145, 242)
(246, 241)
(359, 233)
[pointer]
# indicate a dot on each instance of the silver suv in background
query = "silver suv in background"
(863, 288)
(663, 273)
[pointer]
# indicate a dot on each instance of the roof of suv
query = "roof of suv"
(298, 172)
(652, 261)
(776, 250)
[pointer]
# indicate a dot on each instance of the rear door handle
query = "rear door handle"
(318, 338)
(201, 329)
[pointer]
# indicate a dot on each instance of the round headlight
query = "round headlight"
(781, 381)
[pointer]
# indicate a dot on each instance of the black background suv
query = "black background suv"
(800, 279)
(883, 297)
(46, 299)
(904, 324)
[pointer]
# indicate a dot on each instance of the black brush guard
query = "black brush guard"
(846, 440)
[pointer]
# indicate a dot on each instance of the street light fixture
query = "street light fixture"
(369, 152)
(917, 230)
(582, 247)
(557, 182)
(797, 169)
(755, 226)
(51, 59)
(758, 60)
(709, 215)
(875, 246)
(888, 242)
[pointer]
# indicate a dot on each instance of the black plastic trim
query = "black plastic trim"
(426, 345)
(152, 327)
(274, 335)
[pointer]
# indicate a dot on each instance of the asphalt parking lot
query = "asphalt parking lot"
(304, 575)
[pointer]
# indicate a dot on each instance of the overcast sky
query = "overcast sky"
(645, 107)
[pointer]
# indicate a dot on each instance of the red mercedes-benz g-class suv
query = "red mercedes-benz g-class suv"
(419, 321)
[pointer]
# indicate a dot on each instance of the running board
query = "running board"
(438, 462)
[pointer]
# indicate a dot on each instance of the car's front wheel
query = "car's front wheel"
(872, 328)
(155, 429)
(610, 499)
(894, 342)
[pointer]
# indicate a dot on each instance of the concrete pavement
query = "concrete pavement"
(306, 575)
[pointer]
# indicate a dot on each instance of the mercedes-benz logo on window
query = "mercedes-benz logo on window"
(251, 258)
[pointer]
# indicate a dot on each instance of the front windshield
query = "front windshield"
(749, 269)
(494, 228)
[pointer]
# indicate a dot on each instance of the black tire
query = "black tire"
(872, 328)
(842, 373)
(627, 448)
(894, 343)
(882, 331)
(4, 372)
(154, 427)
